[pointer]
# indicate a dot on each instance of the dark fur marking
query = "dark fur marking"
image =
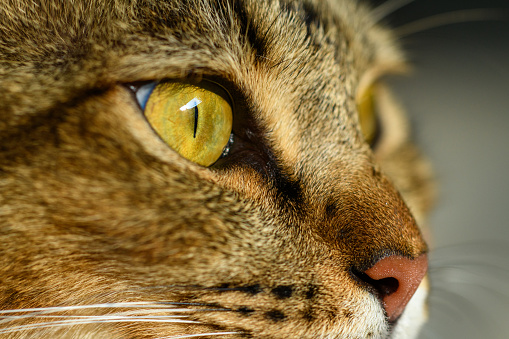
(305, 10)
(311, 15)
(309, 315)
(244, 334)
(253, 289)
(311, 18)
(331, 209)
(345, 232)
(331, 314)
(216, 327)
(246, 311)
(249, 30)
(311, 292)
(283, 292)
(289, 189)
(275, 315)
(224, 286)
(347, 314)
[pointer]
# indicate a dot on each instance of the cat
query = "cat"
(194, 168)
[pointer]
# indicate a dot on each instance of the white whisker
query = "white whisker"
(132, 314)
(147, 312)
(89, 316)
(93, 320)
(82, 307)
(387, 8)
(160, 307)
(197, 335)
(155, 312)
(449, 18)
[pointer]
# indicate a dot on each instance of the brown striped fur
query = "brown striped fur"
(95, 208)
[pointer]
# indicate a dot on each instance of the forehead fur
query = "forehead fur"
(61, 48)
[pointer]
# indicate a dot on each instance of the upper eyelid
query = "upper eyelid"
(144, 90)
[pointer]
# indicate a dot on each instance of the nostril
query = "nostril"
(384, 287)
(395, 278)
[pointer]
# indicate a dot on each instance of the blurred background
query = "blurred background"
(458, 101)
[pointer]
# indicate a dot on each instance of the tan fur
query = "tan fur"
(95, 208)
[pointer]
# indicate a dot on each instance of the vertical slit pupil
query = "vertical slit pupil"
(195, 120)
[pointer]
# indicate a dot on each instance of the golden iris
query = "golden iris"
(367, 114)
(196, 121)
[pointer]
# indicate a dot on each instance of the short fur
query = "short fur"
(96, 209)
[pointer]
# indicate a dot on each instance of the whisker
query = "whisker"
(197, 335)
(387, 8)
(157, 305)
(143, 312)
(93, 320)
(151, 312)
(452, 305)
(474, 277)
(95, 316)
(469, 286)
(38, 314)
(100, 317)
(82, 307)
(449, 18)
(458, 305)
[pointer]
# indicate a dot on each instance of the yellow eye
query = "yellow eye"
(367, 114)
(194, 121)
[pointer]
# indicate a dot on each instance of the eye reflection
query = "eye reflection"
(193, 104)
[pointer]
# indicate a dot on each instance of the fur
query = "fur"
(96, 210)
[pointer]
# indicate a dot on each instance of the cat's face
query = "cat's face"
(285, 224)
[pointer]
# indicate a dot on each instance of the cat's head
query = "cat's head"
(192, 167)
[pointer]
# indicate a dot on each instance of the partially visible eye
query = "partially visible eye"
(194, 120)
(366, 107)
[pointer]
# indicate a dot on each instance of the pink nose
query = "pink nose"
(397, 278)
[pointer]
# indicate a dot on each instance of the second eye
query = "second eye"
(368, 120)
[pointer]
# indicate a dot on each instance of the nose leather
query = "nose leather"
(408, 273)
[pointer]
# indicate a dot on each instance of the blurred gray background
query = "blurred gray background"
(458, 101)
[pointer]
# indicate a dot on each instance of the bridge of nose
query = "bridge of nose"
(366, 220)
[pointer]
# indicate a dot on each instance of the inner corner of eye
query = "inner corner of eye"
(143, 93)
